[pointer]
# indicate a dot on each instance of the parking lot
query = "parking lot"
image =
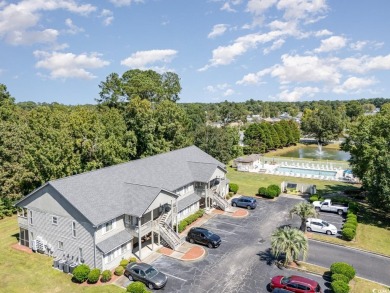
(243, 262)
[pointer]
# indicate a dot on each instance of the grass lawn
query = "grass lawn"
(23, 272)
(249, 183)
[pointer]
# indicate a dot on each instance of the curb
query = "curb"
(351, 248)
(195, 259)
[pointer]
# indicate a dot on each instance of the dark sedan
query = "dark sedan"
(146, 274)
(244, 202)
(203, 236)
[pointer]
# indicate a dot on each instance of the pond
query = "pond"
(313, 153)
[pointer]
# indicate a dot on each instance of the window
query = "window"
(109, 226)
(54, 220)
(74, 229)
(80, 253)
(31, 217)
(22, 212)
(60, 245)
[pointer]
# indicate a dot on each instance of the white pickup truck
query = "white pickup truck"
(327, 206)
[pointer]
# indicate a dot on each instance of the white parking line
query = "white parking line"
(227, 223)
(176, 277)
(212, 228)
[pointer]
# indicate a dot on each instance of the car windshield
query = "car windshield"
(208, 233)
(325, 223)
(151, 272)
(285, 280)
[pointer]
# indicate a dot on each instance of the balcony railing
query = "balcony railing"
(145, 228)
(23, 221)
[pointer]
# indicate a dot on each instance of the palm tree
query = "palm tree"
(291, 242)
(304, 210)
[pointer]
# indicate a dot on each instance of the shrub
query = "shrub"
(93, 276)
(344, 269)
(182, 226)
(233, 187)
(348, 234)
(349, 226)
(353, 208)
(351, 216)
(351, 221)
(340, 287)
(272, 191)
(313, 198)
(106, 276)
(124, 263)
(132, 259)
(119, 271)
(340, 277)
(136, 287)
(200, 213)
(80, 273)
(262, 191)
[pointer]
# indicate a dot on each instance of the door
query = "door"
(202, 238)
(23, 237)
(325, 206)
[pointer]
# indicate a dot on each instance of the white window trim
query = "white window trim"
(52, 220)
(31, 218)
(104, 226)
(74, 229)
(58, 245)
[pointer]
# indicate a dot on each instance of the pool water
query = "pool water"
(307, 171)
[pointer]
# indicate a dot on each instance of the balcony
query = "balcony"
(145, 229)
(23, 222)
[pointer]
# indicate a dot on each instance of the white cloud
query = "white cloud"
(226, 7)
(297, 93)
(218, 30)
(331, 44)
(354, 84)
(322, 33)
(228, 92)
(302, 9)
(141, 59)
(254, 78)
(364, 64)
(120, 3)
(358, 46)
(107, 16)
(275, 45)
(69, 65)
(72, 28)
(258, 7)
(19, 23)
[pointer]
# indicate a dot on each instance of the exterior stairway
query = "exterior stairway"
(220, 202)
(169, 237)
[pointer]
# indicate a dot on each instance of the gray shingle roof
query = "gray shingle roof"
(114, 241)
(187, 201)
(129, 188)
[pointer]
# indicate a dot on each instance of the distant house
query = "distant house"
(249, 163)
(102, 216)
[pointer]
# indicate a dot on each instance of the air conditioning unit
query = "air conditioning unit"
(34, 245)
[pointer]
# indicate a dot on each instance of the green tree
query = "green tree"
(289, 242)
(303, 210)
(368, 108)
(323, 123)
(254, 139)
(368, 143)
(353, 110)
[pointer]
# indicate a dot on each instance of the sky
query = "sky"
(234, 50)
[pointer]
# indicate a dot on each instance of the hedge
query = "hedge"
(272, 191)
(315, 197)
(80, 273)
(340, 287)
(119, 271)
(262, 191)
(136, 287)
(124, 263)
(340, 277)
(349, 226)
(348, 233)
(133, 259)
(344, 269)
(106, 276)
(233, 187)
(93, 276)
(189, 220)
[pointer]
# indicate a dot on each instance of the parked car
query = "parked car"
(296, 284)
(244, 202)
(203, 236)
(146, 274)
(318, 225)
(327, 206)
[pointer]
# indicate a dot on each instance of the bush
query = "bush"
(314, 198)
(349, 226)
(124, 263)
(136, 287)
(80, 273)
(272, 191)
(182, 226)
(119, 271)
(233, 187)
(93, 276)
(262, 191)
(106, 276)
(353, 207)
(340, 277)
(340, 287)
(351, 221)
(351, 216)
(132, 259)
(344, 269)
(348, 234)
(189, 220)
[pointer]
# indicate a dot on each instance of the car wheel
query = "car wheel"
(130, 277)
(308, 229)
(150, 286)
(234, 204)
(248, 207)
(192, 241)
(318, 209)
(328, 232)
(210, 245)
(340, 212)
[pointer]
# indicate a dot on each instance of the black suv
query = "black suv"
(203, 236)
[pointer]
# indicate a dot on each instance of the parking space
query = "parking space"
(242, 263)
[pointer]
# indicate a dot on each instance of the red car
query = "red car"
(295, 284)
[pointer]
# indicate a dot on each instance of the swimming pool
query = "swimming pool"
(307, 171)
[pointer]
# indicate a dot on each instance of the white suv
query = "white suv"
(318, 225)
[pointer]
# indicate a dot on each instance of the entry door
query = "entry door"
(23, 237)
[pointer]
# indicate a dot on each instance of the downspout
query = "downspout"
(94, 248)
(139, 239)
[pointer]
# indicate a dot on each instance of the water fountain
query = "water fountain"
(319, 151)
